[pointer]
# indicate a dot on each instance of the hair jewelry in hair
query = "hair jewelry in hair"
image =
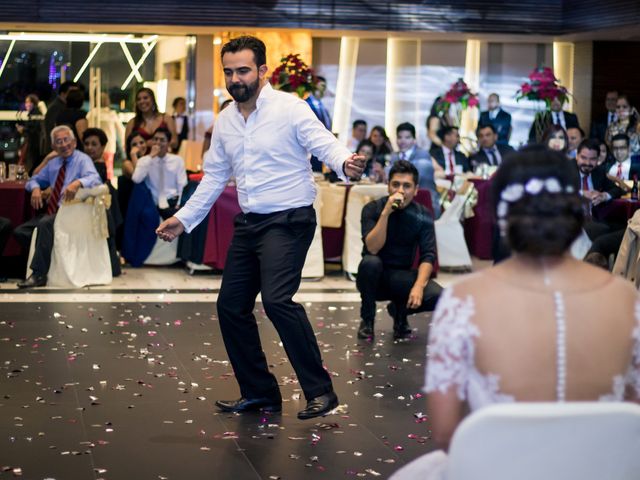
(515, 191)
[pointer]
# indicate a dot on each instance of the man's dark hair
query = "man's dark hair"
(247, 42)
(444, 131)
(178, 99)
(75, 99)
(582, 134)
(406, 127)
(357, 123)
(65, 86)
(404, 166)
(95, 132)
(165, 131)
(486, 125)
(621, 136)
(589, 144)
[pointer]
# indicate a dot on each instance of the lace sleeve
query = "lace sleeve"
(451, 349)
(633, 374)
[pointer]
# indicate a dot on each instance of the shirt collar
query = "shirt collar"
(408, 153)
(265, 93)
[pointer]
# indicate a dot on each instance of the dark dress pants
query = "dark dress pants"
(266, 255)
(44, 242)
(376, 282)
(5, 233)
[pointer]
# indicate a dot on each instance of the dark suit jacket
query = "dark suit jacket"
(481, 157)
(599, 127)
(461, 159)
(502, 124)
(546, 120)
(600, 181)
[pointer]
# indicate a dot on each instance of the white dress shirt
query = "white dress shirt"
(165, 177)
(406, 155)
(558, 119)
(626, 167)
(447, 166)
(497, 158)
(267, 155)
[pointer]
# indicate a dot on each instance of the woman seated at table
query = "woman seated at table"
(148, 119)
(555, 137)
(373, 169)
(568, 332)
(381, 145)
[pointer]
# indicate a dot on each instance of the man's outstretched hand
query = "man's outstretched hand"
(170, 229)
(354, 166)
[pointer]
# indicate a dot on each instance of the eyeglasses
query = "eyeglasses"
(59, 142)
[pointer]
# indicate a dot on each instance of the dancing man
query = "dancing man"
(263, 140)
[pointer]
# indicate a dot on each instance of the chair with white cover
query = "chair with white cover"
(452, 246)
(314, 264)
(80, 255)
(550, 441)
(163, 253)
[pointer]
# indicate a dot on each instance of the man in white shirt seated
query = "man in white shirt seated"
(163, 173)
(625, 167)
(446, 158)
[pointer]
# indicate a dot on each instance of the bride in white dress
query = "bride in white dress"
(539, 327)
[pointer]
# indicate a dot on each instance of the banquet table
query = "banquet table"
(478, 230)
(14, 205)
(617, 211)
(338, 207)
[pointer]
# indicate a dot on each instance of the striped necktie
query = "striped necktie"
(52, 206)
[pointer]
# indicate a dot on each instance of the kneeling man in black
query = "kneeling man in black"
(393, 228)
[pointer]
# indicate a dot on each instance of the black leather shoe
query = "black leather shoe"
(248, 405)
(33, 281)
(401, 330)
(319, 406)
(365, 330)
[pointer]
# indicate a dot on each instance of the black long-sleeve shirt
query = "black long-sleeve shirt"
(407, 229)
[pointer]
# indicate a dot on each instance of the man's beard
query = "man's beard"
(585, 169)
(241, 93)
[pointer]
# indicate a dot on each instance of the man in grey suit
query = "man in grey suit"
(408, 150)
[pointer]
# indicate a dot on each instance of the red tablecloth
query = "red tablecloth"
(617, 211)
(14, 205)
(478, 230)
(220, 228)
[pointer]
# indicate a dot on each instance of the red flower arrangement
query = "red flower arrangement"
(542, 86)
(459, 93)
(295, 76)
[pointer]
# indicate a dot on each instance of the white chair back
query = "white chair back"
(80, 255)
(550, 441)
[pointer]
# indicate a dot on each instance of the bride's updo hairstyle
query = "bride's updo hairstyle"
(537, 202)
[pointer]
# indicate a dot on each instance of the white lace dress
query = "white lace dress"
(451, 363)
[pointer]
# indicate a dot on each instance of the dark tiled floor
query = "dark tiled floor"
(126, 391)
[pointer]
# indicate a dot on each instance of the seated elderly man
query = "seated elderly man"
(393, 229)
(163, 173)
(69, 170)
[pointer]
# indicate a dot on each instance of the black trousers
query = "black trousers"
(5, 233)
(266, 255)
(376, 282)
(44, 242)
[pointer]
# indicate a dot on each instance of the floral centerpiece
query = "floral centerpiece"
(295, 76)
(458, 98)
(543, 86)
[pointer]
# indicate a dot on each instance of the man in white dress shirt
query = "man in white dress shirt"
(163, 173)
(625, 167)
(263, 140)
